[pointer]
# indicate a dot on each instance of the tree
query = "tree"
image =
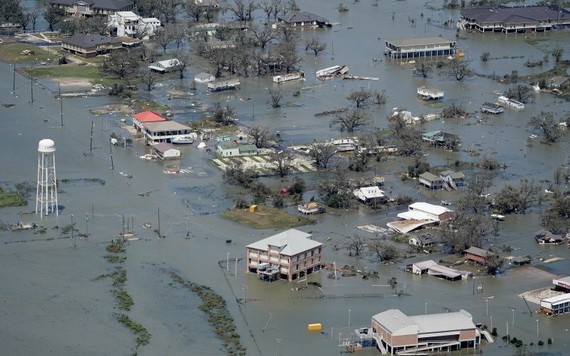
(275, 97)
(520, 93)
(459, 69)
(351, 120)
(236, 174)
(163, 38)
(281, 164)
(322, 153)
(53, 15)
(408, 140)
(454, 111)
(167, 10)
(224, 115)
(11, 11)
(557, 53)
(547, 124)
(493, 263)
(243, 9)
(288, 54)
(260, 135)
(184, 60)
(358, 161)
(263, 35)
(122, 64)
(148, 77)
(34, 16)
(314, 45)
(517, 199)
(355, 245)
(423, 70)
(556, 217)
(383, 250)
(271, 8)
(485, 56)
(336, 191)
(361, 96)
(193, 10)
(177, 33)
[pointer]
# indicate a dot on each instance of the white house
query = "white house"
(233, 149)
(368, 194)
(127, 23)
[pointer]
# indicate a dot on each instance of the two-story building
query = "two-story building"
(420, 47)
(90, 8)
(288, 255)
(127, 23)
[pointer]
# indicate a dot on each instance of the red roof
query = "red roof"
(148, 116)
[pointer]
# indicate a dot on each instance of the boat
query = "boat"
(311, 208)
(511, 102)
(183, 139)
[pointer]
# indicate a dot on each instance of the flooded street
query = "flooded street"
(52, 302)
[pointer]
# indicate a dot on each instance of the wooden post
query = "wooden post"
(60, 104)
(14, 79)
(111, 154)
(90, 138)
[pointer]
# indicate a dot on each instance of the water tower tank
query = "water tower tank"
(46, 146)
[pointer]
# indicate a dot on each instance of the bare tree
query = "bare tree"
(282, 163)
(361, 96)
(263, 35)
(355, 245)
(556, 217)
(518, 199)
(178, 34)
(358, 161)
(34, 16)
(243, 9)
(383, 250)
(314, 45)
(193, 10)
(459, 69)
(148, 78)
(224, 115)
(163, 38)
(350, 120)
(548, 125)
(184, 60)
(260, 135)
(275, 97)
(288, 54)
(423, 70)
(321, 154)
(454, 111)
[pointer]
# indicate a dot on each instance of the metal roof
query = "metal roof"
(298, 16)
(97, 4)
(421, 41)
(478, 251)
(557, 298)
(89, 41)
(290, 242)
(398, 323)
(429, 208)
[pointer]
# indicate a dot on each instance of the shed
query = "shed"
(164, 66)
(477, 254)
(166, 150)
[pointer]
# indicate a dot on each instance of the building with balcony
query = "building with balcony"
(163, 131)
(420, 47)
(288, 255)
(127, 23)
(89, 8)
(93, 45)
(515, 19)
(397, 333)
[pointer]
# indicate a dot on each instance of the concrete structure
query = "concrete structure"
(46, 188)
(164, 66)
(145, 116)
(288, 255)
(430, 180)
(562, 283)
(298, 18)
(420, 47)
(127, 23)
(166, 150)
(94, 45)
(163, 131)
(515, 19)
(371, 194)
(233, 149)
(556, 305)
(396, 332)
(89, 8)
(478, 255)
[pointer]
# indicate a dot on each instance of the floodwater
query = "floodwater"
(52, 304)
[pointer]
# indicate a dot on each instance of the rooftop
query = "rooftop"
(290, 242)
(515, 14)
(90, 40)
(429, 208)
(478, 251)
(148, 116)
(298, 16)
(98, 4)
(421, 41)
(429, 177)
(397, 323)
(163, 146)
(165, 126)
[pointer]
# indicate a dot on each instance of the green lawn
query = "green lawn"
(12, 52)
(11, 199)
(66, 71)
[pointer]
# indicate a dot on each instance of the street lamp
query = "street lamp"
(491, 323)
(487, 304)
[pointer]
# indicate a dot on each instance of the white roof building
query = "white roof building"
(128, 23)
(368, 193)
(165, 65)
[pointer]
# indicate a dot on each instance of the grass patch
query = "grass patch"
(124, 300)
(11, 199)
(115, 258)
(91, 73)
(115, 247)
(12, 52)
(218, 315)
(266, 217)
(143, 336)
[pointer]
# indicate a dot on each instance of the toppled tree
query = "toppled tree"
(350, 120)
(459, 69)
(548, 125)
(519, 93)
(355, 245)
(454, 111)
(260, 135)
(314, 45)
(556, 217)
(321, 154)
(517, 199)
(275, 97)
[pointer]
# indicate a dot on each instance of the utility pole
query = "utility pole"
(90, 139)
(73, 228)
(86, 227)
(32, 90)
(14, 79)
(111, 154)
(60, 104)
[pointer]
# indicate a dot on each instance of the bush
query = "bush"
(549, 341)
(494, 332)
(540, 342)
(62, 60)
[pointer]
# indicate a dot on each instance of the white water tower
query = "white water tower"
(46, 191)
